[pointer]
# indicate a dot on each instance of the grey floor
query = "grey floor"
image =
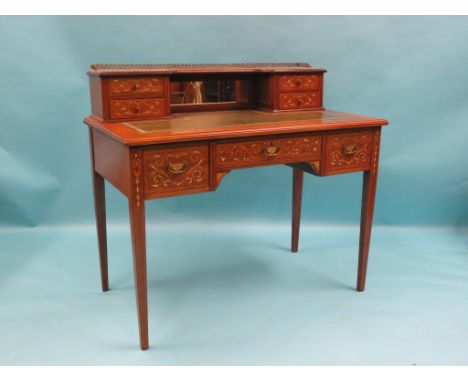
(235, 295)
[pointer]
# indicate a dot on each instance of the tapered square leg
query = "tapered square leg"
(367, 213)
(298, 177)
(136, 205)
(100, 211)
(137, 225)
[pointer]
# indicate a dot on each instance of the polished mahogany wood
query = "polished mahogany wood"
(198, 126)
(299, 101)
(249, 152)
(190, 152)
(100, 213)
(127, 92)
(136, 204)
(176, 169)
(298, 178)
(367, 212)
(139, 86)
(347, 152)
(111, 160)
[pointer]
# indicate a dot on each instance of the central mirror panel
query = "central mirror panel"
(212, 93)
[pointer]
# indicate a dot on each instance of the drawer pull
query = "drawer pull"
(177, 167)
(298, 83)
(137, 109)
(350, 149)
(299, 101)
(271, 150)
(136, 86)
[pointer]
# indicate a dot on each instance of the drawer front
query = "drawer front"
(304, 82)
(136, 85)
(176, 170)
(289, 101)
(347, 152)
(137, 108)
(267, 151)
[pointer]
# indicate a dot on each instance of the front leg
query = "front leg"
(298, 177)
(100, 213)
(367, 212)
(137, 225)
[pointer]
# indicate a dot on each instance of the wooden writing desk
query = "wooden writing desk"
(167, 130)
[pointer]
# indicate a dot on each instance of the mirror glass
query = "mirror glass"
(210, 91)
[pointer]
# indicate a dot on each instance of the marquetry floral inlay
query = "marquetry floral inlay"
(177, 169)
(349, 149)
(136, 85)
(298, 82)
(258, 151)
(132, 108)
(137, 176)
(299, 100)
(375, 158)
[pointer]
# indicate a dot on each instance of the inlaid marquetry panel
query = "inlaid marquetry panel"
(243, 153)
(175, 171)
(137, 108)
(289, 101)
(136, 85)
(348, 151)
(298, 82)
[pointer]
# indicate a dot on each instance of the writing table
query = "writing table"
(166, 130)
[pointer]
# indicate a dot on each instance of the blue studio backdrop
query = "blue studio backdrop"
(410, 70)
(223, 287)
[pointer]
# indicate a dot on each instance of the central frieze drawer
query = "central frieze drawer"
(254, 152)
(176, 170)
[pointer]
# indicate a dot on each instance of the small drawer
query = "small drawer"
(290, 101)
(176, 170)
(345, 152)
(298, 82)
(255, 152)
(137, 108)
(136, 86)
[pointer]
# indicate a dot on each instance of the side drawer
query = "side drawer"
(136, 86)
(137, 108)
(257, 152)
(298, 82)
(346, 152)
(289, 101)
(176, 170)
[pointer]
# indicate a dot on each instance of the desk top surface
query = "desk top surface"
(229, 124)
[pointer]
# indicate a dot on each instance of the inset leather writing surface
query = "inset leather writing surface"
(229, 124)
(236, 118)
